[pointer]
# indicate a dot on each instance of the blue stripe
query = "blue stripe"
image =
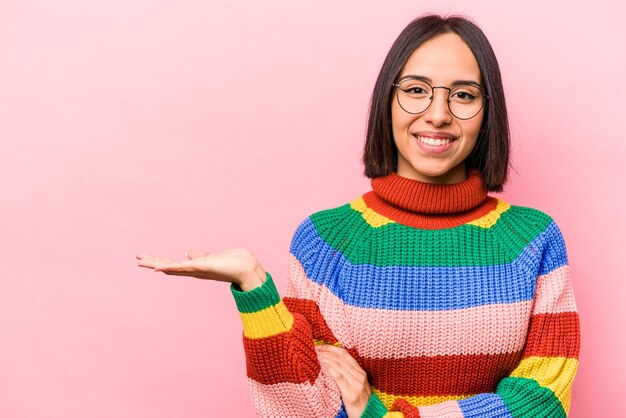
(342, 412)
(425, 288)
(484, 405)
(555, 254)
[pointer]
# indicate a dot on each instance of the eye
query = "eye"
(463, 96)
(415, 90)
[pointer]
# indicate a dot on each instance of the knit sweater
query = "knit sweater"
(455, 303)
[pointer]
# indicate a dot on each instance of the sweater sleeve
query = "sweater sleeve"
(279, 335)
(540, 385)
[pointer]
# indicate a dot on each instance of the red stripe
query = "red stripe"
(312, 313)
(290, 357)
(553, 335)
(408, 410)
(423, 221)
(287, 357)
(439, 375)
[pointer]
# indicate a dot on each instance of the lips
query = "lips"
(435, 135)
(434, 139)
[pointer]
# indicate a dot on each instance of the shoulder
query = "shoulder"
(327, 226)
(537, 227)
(535, 217)
(525, 214)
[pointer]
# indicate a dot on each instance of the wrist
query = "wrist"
(374, 408)
(257, 299)
(253, 280)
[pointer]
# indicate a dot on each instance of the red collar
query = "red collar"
(428, 205)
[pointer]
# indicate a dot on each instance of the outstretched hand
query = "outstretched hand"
(351, 379)
(236, 265)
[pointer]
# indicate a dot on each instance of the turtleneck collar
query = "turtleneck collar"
(431, 198)
(428, 205)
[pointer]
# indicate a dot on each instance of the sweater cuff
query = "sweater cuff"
(374, 408)
(257, 299)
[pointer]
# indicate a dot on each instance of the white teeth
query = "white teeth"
(433, 141)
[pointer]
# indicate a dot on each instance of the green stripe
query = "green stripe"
(374, 408)
(387, 245)
(257, 299)
(526, 398)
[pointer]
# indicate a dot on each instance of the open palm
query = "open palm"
(236, 265)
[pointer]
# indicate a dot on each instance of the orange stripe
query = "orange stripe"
(438, 375)
(407, 410)
(312, 313)
(553, 335)
(287, 357)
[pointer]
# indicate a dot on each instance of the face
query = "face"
(442, 61)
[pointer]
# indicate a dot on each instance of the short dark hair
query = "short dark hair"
(491, 153)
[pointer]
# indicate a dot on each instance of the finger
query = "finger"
(150, 257)
(352, 365)
(140, 256)
(335, 372)
(343, 367)
(146, 262)
(173, 266)
(191, 254)
(344, 355)
(181, 273)
(153, 262)
(328, 347)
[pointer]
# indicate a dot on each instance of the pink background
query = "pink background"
(160, 126)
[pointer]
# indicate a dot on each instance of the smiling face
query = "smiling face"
(442, 61)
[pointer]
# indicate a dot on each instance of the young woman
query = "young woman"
(424, 297)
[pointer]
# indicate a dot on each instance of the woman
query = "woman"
(425, 296)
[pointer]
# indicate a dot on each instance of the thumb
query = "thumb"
(191, 254)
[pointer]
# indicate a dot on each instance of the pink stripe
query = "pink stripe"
(554, 292)
(331, 307)
(448, 409)
(322, 399)
(476, 330)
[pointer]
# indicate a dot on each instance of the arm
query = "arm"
(540, 385)
(284, 373)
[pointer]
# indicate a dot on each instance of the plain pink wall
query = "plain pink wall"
(161, 126)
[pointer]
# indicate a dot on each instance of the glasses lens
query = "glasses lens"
(414, 95)
(466, 101)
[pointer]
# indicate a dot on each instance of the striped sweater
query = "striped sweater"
(455, 303)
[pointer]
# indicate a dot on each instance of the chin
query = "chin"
(432, 172)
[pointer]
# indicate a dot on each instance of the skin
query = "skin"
(351, 379)
(236, 265)
(443, 59)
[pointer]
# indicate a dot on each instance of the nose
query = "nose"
(438, 113)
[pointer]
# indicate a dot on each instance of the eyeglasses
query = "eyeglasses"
(464, 100)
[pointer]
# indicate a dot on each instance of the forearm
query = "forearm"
(283, 369)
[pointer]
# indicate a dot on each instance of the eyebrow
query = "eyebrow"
(428, 80)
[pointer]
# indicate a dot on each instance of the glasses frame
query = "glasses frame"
(484, 102)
